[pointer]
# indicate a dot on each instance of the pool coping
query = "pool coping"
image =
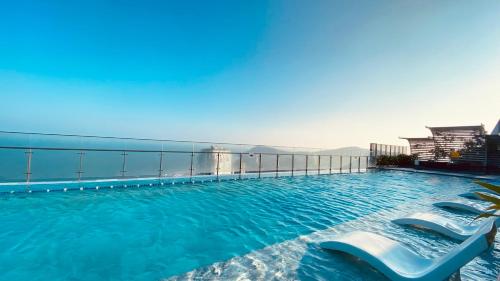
(65, 185)
(442, 173)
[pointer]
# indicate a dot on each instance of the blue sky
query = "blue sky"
(304, 73)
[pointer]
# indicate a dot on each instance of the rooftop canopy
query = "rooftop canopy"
(451, 143)
(469, 130)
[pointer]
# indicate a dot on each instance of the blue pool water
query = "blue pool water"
(152, 233)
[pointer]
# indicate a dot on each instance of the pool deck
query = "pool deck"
(443, 173)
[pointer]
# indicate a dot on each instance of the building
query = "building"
(459, 144)
(466, 146)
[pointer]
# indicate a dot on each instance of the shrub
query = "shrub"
(401, 160)
(385, 160)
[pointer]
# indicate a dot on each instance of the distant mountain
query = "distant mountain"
(267, 149)
(348, 151)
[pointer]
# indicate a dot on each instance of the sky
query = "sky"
(283, 72)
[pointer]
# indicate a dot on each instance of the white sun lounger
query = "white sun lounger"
(463, 205)
(472, 194)
(397, 262)
(439, 224)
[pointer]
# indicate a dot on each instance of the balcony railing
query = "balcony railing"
(49, 167)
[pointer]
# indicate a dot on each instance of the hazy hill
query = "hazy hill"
(350, 150)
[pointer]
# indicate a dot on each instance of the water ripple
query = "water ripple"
(264, 229)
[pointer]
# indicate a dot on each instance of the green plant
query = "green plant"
(440, 153)
(405, 160)
(489, 198)
(385, 160)
(398, 160)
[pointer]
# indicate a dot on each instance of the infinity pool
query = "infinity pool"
(208, 230)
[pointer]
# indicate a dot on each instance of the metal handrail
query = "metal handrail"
(155, 140)
(308, 168)
(162, 151)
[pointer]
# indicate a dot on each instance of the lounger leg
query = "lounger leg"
(455, 276)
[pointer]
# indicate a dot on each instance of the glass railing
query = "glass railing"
(30, 161)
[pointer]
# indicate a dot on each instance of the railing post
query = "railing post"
(124, 162)
(29, 154)
(331, 164)
(359, 164)
(319, 164)
(160, 171)
(217, 168)
(367, 161)
(80, 166)
(191, 166)
(293, 162)
(340, 164)
(307, 162)
(350, 164)
(260, 163)
(277, 164)
(241, 164)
